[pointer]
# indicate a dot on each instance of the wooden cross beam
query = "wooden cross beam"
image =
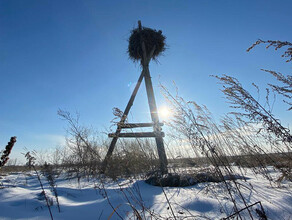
(137, 125)
(137, 135)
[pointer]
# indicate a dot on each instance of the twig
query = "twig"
(236, 213)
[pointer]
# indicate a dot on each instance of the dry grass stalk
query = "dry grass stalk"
(49, 173)
(277, 45)
(239, 98)
(31, 163)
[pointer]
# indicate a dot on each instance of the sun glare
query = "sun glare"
(164, 112)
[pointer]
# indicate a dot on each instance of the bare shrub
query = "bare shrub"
(132, 158)
(82, 155)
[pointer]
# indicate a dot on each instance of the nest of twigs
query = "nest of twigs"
(151, 38)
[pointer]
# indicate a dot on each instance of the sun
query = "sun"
(164, 112)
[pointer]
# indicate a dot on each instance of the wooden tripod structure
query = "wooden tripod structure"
(157, 131)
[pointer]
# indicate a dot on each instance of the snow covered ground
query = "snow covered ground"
(20, 199)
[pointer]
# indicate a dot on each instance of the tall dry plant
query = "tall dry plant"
(240, 98)
(195, 124)
(31, 163)
(7, 151)
(270, 129)
(49, 173)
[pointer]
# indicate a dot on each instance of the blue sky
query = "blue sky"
(72, 55)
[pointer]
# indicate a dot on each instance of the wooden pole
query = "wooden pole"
(152, 104)
(155, 119)
(123, 119)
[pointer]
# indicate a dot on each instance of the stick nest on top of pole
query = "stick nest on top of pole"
(151, 38)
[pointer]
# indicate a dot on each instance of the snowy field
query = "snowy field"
(20, 198)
